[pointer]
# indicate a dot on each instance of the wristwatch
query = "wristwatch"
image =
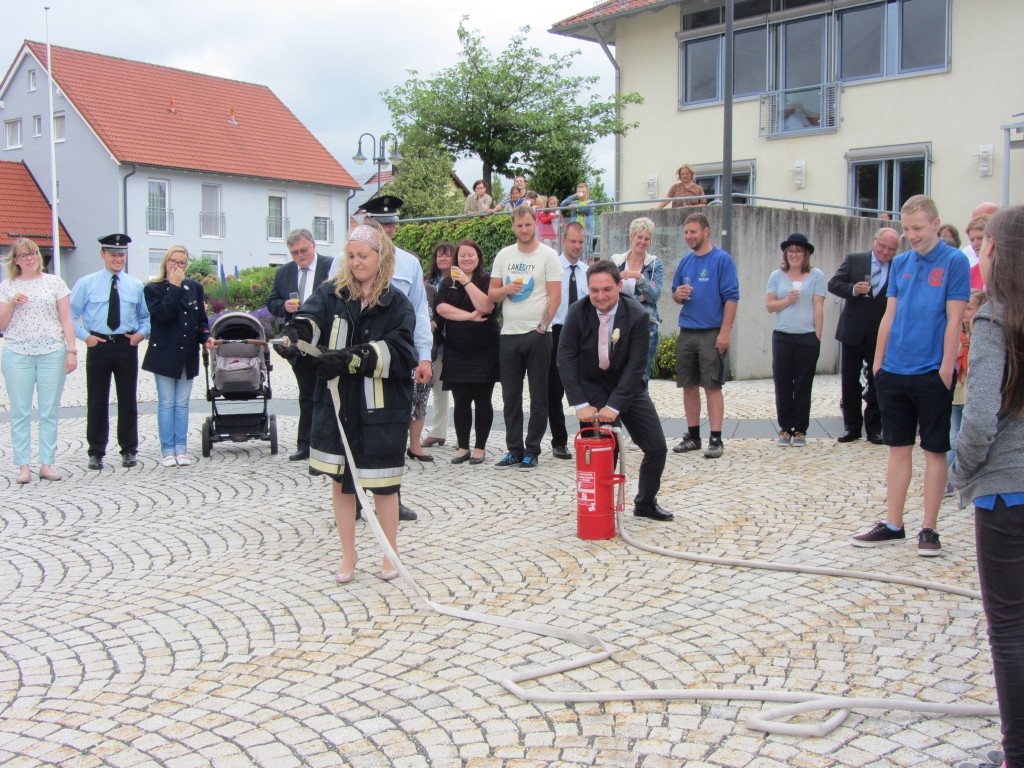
(542, 328)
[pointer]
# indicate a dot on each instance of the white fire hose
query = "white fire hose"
(797, 703)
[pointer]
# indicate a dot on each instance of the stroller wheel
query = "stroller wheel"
(206, 439)
(273, 435)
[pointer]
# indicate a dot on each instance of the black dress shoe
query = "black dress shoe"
(128, 460)
(876, 439)
(418, 456)
(95, 462)
(561, 452)
(463, 458)
(848, 437)
(653, 513)
(404, 513)
(300, 455)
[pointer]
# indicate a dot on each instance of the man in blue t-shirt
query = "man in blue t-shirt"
(707, 287)
(915, 360)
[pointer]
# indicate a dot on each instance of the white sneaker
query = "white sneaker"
(168, 461)
(183, 460)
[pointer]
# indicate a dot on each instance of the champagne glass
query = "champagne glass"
(294, 296)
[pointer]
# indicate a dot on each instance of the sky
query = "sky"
(327, 60)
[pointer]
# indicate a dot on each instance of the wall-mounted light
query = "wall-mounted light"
(800, 174)
(652, 185)
(985, 152)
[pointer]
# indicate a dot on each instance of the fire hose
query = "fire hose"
(796, 703)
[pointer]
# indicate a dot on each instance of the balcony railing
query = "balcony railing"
(277, 226)
(323, 229)
(212, 224)
(160, 221)
(800, 110)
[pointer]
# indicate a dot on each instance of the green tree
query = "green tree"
(507, 109)
(424, 177)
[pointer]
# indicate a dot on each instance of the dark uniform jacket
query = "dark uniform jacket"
(179, 327)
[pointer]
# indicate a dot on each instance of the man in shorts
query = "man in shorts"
(707, 287)
(915, 361)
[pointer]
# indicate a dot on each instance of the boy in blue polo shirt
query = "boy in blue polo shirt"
(915, 359)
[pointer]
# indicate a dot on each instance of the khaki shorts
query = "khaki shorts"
(698, 362)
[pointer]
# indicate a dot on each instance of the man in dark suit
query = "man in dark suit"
(293, 284)
(602, 357)
(863, 281)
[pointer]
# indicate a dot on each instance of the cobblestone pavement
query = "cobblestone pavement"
(188, 616)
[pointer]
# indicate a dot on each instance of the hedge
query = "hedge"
(492, 233)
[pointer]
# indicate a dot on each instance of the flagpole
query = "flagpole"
(54, 218)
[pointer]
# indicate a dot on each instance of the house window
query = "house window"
(709, 176)
(701, 70)
(37, 126)
(12, 134)
(750, 60)
(323, 227)
(159, 219)
(892, 38)
(217, 257)
(277, 224)
(31, 80)
(883, 178)
(156, 256)
(58, 126)
(211, 217)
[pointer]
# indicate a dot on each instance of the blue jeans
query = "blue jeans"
(652, 349)
(956, 418)
(172, 413)
(45, 375)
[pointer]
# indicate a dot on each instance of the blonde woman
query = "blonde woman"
(179, 326)
(39, 353)
(367, 328)
(642, 275)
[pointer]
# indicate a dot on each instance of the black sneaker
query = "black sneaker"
(928, 543)
(509, 460)
(715, 448)
(880, 534)
(529, 462)
(687, 444)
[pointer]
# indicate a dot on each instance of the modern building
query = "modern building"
(220, 166)
(858, 103)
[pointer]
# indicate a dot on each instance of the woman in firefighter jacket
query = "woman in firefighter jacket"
(365, 329)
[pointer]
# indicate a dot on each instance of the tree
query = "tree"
(424, 177)
(506, 110)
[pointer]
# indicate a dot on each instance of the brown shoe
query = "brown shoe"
(430, 442)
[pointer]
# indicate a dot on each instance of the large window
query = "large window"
(886, 38)
(158, 208)
(277, 224)
(12, 134)
(883, 178)
(211, 217)
(710, 177)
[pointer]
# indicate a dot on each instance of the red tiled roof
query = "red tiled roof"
(579, 24)
(24, 209)
(159, 116)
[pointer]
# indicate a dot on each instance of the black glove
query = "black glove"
(331, 365)
(289, 352)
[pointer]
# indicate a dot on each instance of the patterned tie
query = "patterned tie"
(113, 306)
(302, 284)
(876, 279)
(602, 342)
(573, 294)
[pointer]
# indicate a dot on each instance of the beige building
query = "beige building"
(857, 103)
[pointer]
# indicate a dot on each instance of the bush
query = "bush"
(246, 294)
(492, 233)
(665, 358)
(200, 268)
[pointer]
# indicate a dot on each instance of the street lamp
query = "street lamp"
(378, 153)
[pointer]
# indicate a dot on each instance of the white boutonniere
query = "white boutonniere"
(615, 336)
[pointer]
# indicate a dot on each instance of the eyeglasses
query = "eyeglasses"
(303, 251)
(177, 262)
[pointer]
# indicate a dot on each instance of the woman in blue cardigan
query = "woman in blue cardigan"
(179, 326)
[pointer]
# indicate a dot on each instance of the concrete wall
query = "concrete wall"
(757, 234)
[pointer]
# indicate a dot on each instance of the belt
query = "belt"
(115, 337)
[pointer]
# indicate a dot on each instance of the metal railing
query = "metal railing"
(160, 221)
(277, 226)
(323, 229)
(212, 224)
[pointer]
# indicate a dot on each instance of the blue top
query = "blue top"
(583, 213)
(408, 279)
(799, 317)
(714, 280)
(921, 286)
(91, 296)
(989, 502)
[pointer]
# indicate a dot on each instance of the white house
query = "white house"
(857, 103)
(168, 156)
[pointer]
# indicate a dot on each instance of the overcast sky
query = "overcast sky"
(327, 60)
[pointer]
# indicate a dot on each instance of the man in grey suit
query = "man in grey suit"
(602, 359)
(863, 281)
(293, 284)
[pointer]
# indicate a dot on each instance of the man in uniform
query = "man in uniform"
(111, 317)
(300, 278)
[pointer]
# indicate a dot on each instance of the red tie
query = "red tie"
(602, 342)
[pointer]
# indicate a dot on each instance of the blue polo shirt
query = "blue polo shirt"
(921, 286)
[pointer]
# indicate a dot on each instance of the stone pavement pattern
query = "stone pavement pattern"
(188, 616)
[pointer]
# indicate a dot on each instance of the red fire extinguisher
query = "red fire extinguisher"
(596, 482)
